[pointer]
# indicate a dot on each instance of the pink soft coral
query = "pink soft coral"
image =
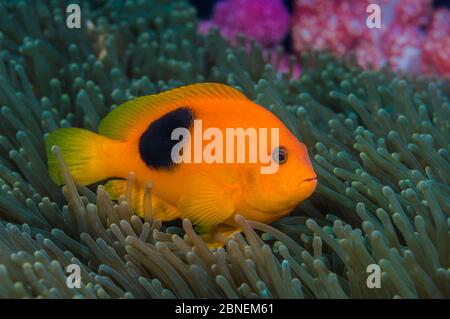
(265, 20)
(340, 26)
(414, 12)
(437, 44)
(404, 48)
(321, 26)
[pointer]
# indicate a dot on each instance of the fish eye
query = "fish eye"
(279, 155)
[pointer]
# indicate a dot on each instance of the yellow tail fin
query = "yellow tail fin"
(83, 154)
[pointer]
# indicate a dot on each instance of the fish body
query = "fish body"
(206, 187)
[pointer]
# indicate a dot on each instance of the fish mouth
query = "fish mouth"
(302, 183)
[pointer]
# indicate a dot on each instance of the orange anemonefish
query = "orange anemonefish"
(137, 136)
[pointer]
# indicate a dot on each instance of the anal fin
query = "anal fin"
(116, 188)
(217, 236)
(161, 209)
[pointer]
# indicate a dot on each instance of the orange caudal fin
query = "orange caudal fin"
(83, 152)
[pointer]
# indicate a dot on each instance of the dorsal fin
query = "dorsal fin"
(122, 120)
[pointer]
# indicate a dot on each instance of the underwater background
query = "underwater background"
(378, 135)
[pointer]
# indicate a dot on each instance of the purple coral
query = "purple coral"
(267, 21)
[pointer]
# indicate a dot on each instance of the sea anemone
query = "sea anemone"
(380, 146)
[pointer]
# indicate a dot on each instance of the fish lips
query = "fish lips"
(310, 182)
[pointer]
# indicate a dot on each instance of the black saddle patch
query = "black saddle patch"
(155, 144)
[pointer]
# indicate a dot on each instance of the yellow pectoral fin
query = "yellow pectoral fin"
(206, 202)
(161, 209)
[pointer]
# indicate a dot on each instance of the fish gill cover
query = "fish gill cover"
(379, 144)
